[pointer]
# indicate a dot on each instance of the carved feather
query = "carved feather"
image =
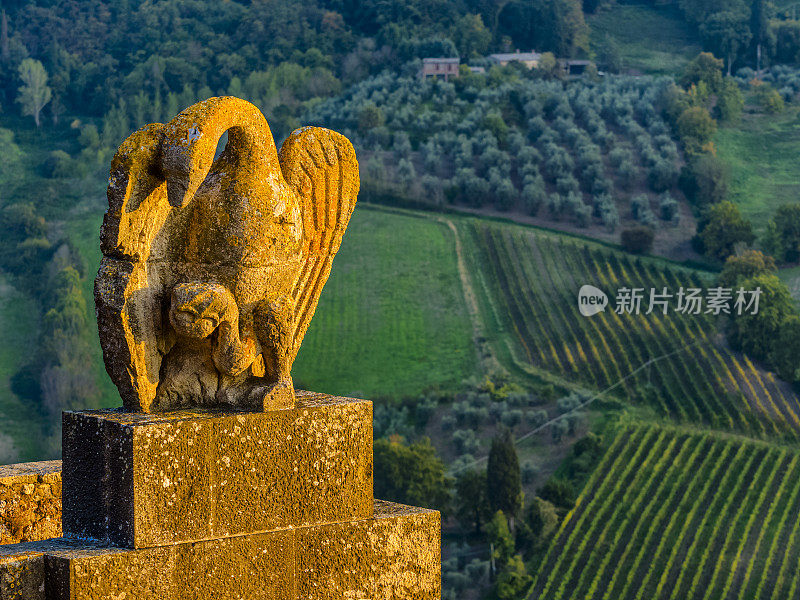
(320, 166)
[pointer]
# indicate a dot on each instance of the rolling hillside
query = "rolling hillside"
(529, 282)
(673, 514)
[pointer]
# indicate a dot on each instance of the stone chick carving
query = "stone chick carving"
(212, 268)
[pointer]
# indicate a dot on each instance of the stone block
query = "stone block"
(22, 577)
(22, 568)
(143, 480)
(260, 566)
(30, 501)
(248, 567)
(395, 554)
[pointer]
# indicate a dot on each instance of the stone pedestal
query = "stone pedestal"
(219, 504)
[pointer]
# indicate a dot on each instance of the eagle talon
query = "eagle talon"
(278, 396)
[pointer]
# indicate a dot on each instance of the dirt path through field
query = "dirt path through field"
(486, 356)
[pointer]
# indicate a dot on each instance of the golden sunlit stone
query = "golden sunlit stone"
(212, 268)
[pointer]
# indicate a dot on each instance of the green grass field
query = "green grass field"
(674, 514)
(392, 319)
(761, 153)
(651, 39)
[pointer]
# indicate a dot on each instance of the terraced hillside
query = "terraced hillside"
(529, 282)
(671, 514)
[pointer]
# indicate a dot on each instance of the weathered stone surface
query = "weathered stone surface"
(395, 555)
(144, 480)
(212, 269)
(22, 577)
(30, 501)
(23, 571)
(241, 567)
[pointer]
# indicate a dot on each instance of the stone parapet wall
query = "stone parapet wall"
(30, 502)
(394, 554)
(207, 503)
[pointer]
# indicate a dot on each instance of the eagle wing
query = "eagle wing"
(128, 312)
(320, 166)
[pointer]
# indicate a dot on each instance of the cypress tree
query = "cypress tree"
(503, 480)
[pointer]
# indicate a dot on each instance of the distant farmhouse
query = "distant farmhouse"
(573, 67)
(448, 67)
(436, 67)
(529, 59)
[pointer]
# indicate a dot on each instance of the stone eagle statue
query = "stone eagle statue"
(212, 267)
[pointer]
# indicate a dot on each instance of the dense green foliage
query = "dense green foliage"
(637, 240)
(722, 229)
(471, 504)
(782, 238)
(411, 474)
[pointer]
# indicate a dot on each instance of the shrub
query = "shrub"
(638, 239)
(627, 175)
(568, 403)
(619, 156)
(555, 204)
(667, 207)
(59, 164)
(770, 99)
(533, 196)
(567, 185)
(402, 144)
(448, 422)
(465, 441)
(729, 102)
(496, 409)
(370, 117)
(639, 205)
(782, 238)
(705, 180)
(505, 194)
(558, 491)
(537, 418)
(695, 128)
(583, 215)
(606, 209)
(477, 570)
(663, 175)
(511, 418)
(722, 229)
